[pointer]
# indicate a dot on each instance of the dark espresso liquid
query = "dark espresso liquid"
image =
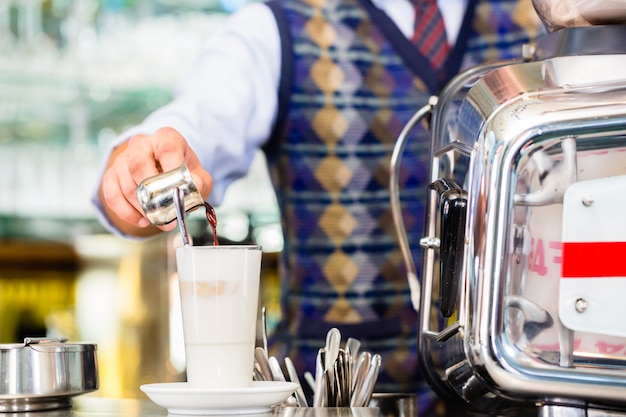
(212, 218)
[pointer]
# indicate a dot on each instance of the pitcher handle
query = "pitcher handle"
(396, 212)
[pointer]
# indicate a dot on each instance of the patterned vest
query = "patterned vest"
(351, 81)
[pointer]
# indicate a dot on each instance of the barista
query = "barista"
(324, 88)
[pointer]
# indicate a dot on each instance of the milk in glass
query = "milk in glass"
(219, 289)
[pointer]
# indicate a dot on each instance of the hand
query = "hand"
(141, 157)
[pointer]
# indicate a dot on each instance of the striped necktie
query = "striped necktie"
(429, 35)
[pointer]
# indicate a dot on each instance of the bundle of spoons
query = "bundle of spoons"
(343, 377)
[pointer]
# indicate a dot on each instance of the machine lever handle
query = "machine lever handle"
(453, 209)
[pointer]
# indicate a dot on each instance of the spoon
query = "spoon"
(363, 396)
(277, 373)
(360, 373)
(346, 374)
(260, 355)
(264, 327)
(319, 393)
(257, 375)
(353, 345)
(342, 381)
(372, 377)
(179, 205)
(333, 339)
(293, 376)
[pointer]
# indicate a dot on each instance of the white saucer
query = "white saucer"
(179, 398)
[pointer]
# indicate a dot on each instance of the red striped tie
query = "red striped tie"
(430, 33)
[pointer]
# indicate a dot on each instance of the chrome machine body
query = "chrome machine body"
(523, 285)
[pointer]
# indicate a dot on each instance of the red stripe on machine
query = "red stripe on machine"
(594, 259)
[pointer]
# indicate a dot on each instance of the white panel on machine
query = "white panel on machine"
(593, 281)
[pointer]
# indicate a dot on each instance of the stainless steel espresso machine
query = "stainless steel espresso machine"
(523, 286)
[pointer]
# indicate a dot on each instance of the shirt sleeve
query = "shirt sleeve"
(226, 104)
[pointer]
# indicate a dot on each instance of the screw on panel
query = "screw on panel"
(587, 200)
(581, 305)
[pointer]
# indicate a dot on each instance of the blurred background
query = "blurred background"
(73, 75)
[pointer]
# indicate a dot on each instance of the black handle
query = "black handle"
(453, 209)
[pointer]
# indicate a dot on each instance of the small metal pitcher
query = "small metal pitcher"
(157, 195)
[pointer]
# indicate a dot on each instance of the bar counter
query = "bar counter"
(91, 406)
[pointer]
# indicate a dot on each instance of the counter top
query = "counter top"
(88, 406)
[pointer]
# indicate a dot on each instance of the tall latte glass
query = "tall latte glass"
(219, 290)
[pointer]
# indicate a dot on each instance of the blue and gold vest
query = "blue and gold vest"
(350, 82)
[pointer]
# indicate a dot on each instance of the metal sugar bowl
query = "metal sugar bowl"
(523, 274)
(45, 374)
